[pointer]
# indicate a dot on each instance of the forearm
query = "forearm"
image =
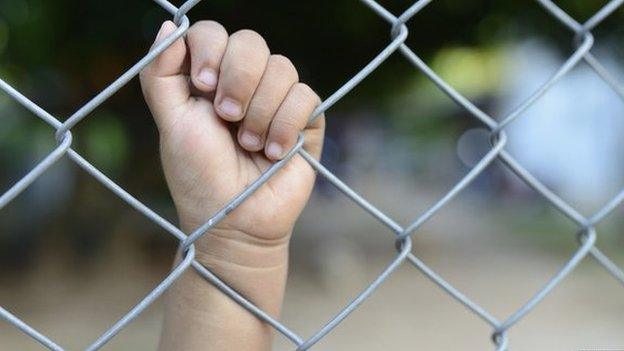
(199, 316)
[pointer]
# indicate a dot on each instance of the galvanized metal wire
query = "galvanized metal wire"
(586, 234)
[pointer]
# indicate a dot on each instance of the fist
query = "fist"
(226, 109)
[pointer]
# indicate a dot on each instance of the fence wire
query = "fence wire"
(586, 234)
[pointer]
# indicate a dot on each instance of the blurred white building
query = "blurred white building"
(573, 138)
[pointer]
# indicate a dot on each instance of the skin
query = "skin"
(226, 109)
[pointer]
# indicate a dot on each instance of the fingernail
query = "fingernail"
(208, 77)
(275, 151)
(250, 140)
(230, 107)
(161, 31)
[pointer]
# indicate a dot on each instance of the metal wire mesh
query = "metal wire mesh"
(586, 234)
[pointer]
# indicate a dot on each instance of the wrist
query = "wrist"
(223, 246)
(254, 268)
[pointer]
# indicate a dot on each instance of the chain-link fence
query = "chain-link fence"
(586, 234)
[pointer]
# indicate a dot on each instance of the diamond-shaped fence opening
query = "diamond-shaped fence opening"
(586, 234)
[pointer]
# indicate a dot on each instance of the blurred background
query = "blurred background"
(74, 258)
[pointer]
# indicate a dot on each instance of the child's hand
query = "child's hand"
(226, 109)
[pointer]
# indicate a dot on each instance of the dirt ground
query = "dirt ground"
(336, 252)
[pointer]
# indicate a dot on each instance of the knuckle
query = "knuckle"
(307, 93)
(207, 26)
(284, 65)
(281, 60)
(250, 37)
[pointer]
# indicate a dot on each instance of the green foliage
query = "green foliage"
(106, 141)
(63, 52)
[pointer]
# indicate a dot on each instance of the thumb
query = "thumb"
(164, 81)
